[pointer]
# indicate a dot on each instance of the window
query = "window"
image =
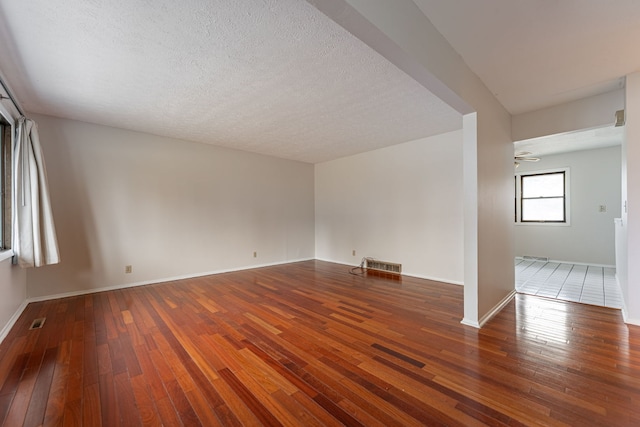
(5, 184)
(541, 197)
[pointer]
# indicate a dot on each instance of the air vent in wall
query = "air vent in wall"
(389, 267)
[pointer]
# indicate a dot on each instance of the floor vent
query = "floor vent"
(389, 267)
(38, 323)
(536, 258)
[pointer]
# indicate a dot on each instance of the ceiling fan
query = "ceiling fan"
(524, 156)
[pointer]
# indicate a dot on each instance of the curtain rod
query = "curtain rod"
(11, 98)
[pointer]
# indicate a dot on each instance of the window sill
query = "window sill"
(544, 224)
(6, 255)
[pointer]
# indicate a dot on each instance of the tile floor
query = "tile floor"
(569, 282)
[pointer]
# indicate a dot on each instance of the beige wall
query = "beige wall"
(400, 204)
(13, 293)
(169, 208)
(630, 250)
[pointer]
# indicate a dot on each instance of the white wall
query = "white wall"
(590, 237)
(401, 204)
(13, 293)
(169, 208)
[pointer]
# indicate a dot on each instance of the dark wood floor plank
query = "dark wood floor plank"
(13, 374)
(202, 407)
(41, 389)
(310, 344)
(91, 406)
(76, 363)
(298, 413)
(234, 412)
(20, 402)
(54, 412)
(12, 363)
(257, 408)
(127, 408)
(176, 394)
(109, 406)
(72, 415)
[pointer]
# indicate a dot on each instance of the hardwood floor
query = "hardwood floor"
(310, 344)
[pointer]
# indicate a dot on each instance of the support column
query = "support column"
(631, 200)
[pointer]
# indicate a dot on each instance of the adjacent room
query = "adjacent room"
(301, 212)
(569, 252)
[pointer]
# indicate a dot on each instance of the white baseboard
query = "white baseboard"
(628, 320)
(417, 276)
(583, 263)
(155, 281)
(625, 316)
(472, 323)
(434, 279)
(338, 262)
(12, 321)
(495, 310)
(574, 263)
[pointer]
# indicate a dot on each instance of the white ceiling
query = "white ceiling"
(536, 53)
(278, 77)
(275, 77)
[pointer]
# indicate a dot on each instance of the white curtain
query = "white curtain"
(34, 234)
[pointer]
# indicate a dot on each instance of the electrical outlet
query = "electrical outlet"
(255, 254)
(127, 269)
(353, 252)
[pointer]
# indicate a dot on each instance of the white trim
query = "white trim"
(542, 224)
(6, 255)
(155, 281)
(495, 310)
(583, 263)
(12, 321)
(471, 221)
(435, 279)
(628, 320)
(472, 323)
(625, 316)
(571, 262)
(417, 276)
(337, 262)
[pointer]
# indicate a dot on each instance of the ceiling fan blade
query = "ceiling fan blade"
(523, 154)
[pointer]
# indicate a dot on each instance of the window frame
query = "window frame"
(5, 184)
(567, 199)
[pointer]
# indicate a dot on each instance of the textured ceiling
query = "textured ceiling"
(275, 77)
(534, 54)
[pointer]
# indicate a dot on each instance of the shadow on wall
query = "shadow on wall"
(72, 215)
